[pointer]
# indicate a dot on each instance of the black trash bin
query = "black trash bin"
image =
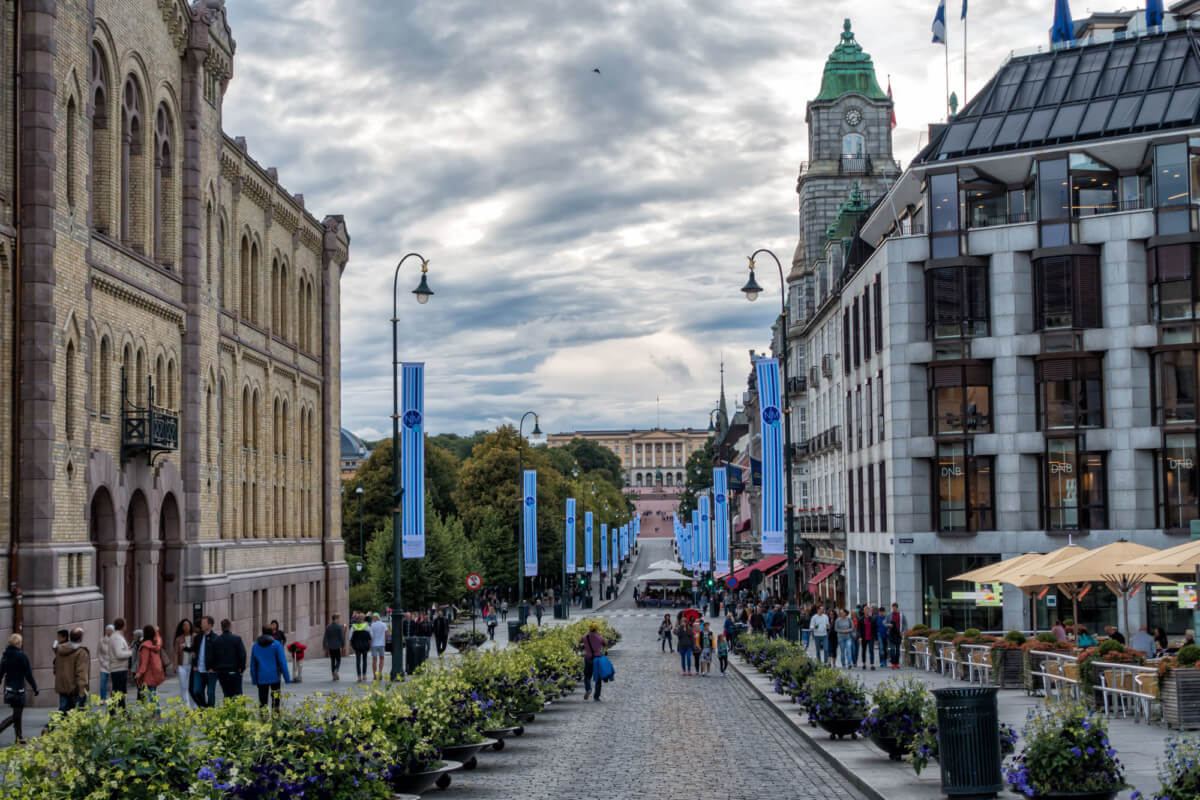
(560, 610)
(416, 650)
(969, 742)
(514, 631)
(587, 601)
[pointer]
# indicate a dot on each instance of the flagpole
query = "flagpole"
(946, 45)
(965, 95)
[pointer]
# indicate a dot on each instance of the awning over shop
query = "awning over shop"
(768, 563)
(822, 576)
(781, 568)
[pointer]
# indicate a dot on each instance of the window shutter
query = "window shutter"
(857, 336)
(882, 496)
(1057, 369)
(1174, 262)
(947, 376)
(1086, 368)
(866, 324)
(878, 318)
(979, 375)
(947, 294)
(1088, 298)
(846, 340)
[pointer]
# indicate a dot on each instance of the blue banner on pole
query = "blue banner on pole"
(767, 370)
(603, 547)
(706, 542)
(616, 552)
(412, 460)
(721, 518)
(569, 537)
(589, 555)
(697, 542)
(529, 522)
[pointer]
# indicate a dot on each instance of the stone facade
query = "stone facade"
(650, 458)
(163, 276)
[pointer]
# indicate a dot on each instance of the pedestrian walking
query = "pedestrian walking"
(360, 643)
(229, 660)
(378, 645)
(707, 645)
(504, 610)
(723, 652)
(72, 666)
(844, 629)
(664, 634)
(897, 623)
(103, 656)
(758, 622)
(695, 637)
(334, 642)
(441, 632)
(204, 677)
(537, 612)
(730, 629)
(820, 632)
(136, 647)
(268, 668)
(277, 632)
(151, 672)
(778, 622)
(182, 646)
(866, 636)
(593, 648)
(683, 642)
(805, 628)
(15, 672)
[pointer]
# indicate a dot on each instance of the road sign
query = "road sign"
(474, 582)
(731, 582)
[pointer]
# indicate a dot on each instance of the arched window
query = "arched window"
(228, 301)
(169, 387)
(164, 189)
(302, 313)
(139, 386)
(223, 437)
(71, 123)
(208, 425)
(133, 179)
(275, 429)
(254, 284)
(283, 302)
(246, 411)
(244, 269)
(312, 335)
(128, 375)
(69, 391)
(208, 243)
(104, 376)
(275, 297)
(854, 145)
(254, 421)
(101, 195)
(160, 392)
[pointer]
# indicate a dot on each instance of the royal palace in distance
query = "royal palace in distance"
(169, 319)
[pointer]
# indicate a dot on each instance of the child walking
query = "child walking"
(723, 652)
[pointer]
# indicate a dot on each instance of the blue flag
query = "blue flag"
(603, 547)
(1154, 13)
(412, 461)
(1064, 28)
(964, 11)
(721, 519)
(706, 532)
(569, 533)
(939, 23)
(529, 522)
(767, 370)
(698, 545)
(616, 553)
(589, 558)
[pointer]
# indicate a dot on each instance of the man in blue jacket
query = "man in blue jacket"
(268, 666)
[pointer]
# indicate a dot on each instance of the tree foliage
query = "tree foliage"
(591, 457)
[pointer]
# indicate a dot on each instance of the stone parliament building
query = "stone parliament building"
(169, 315)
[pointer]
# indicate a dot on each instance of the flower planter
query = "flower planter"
(1008, 670)
(838, 728)
(1180, 694)
(499, 735)
(467, 753)
(526, 718)
(420, 782)
(890, 745)
(1109, 795)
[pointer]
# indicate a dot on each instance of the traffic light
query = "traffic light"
(582, 581)
(709, 582)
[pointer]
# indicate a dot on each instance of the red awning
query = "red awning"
(822, 576)
(767, 563)
(777, 570)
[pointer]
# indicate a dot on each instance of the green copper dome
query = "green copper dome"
(854, 206)
(849, 69)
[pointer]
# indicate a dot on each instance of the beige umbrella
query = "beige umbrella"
(1105, 564)
(1182, 559)
(1029, 577)
(995, 572)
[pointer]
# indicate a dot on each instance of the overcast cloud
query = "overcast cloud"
(586, 232)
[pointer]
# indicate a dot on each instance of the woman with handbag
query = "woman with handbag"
(183, 659)
(15, 672)
(664, 634)
(152, 663)
(593, 648)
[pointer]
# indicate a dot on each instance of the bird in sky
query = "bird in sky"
(596, 70)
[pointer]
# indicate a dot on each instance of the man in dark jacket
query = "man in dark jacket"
(334, 643)
(204, 677)
(229, 660)
(441, 631)
(757, 622)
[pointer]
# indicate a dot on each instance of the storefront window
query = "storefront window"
(1179, 482)
(964, 489)
(961, 399)
(1176, 386)
(959, 604)
(1074, 487)
(1071, 393)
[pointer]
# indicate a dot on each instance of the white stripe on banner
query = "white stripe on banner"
(529, 515)
(721, 519)
(589, 555)
(570, 536)
(706, 532)
(772, 455)
(603, 547)
(412, 461)
(697, 542)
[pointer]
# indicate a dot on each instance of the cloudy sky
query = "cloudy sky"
(586, 232)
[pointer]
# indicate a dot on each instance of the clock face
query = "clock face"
(853, 116)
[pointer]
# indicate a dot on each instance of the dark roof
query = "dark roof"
(1129, 85)
(849, 69)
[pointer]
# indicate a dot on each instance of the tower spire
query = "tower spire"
(723, 413)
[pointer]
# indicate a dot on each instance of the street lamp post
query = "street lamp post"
(359, 492)
(423, 293)
(752, 291)
(522, 609)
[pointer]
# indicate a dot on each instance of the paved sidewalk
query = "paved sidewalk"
(1139, 746)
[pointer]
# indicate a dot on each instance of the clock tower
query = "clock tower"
(849, 142)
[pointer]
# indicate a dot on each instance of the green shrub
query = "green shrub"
(1048, 638)
(972, 633)
(362, 597)
(920, 626)
(834, 695)
(1188, 655)
(1110, 646)
(1016, 637)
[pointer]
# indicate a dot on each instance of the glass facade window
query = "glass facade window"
(1067, 292)
(984, 204)
(943, 215)
(1073, 484)
(1176, 386)
(1093, 186)
(1171, 192)
(1070, 393)
(1054, 202)
(1173, 272)
(952, 603)
(961, 399)
(963, 490)
(1178, 501)
(956, 302)
(1018, 206)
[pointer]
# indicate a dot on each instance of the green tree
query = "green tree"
(439, 577)
(460, 446)
(699, 476)
(591, 457)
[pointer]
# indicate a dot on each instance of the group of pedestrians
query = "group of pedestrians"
(852, 636)
(696, 643)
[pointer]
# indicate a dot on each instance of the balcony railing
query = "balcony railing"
(149, 430)
(799, 450)
(825, 440)
(797, 384)
(809, 520)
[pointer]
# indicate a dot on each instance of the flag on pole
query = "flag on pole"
(616, 553)
(589, 547)
(698, 546)
(893, 102)
(964, 11)
(570, 536)
(767, 370)
(939, 23)
(721, 518)
(1063, 29)
(529, 519)
(603, 547)
(412, 461)
(1154, 13)
(706, 531)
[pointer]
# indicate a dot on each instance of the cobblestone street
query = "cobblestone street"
(656, 734)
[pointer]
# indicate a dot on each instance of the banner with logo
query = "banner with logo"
(569, 534)
(603, 547)
(529, 520)
(616, 552)
(412, 460)
(698, 546)
(773, 524)
(721, 519)
(589, 556)
(624, 541)
(706, 532)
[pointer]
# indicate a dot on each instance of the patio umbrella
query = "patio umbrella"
(667, 564)
(1027, 576)
(995, 572)
(663, 576)
(1180, 560)
(1105, 564)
